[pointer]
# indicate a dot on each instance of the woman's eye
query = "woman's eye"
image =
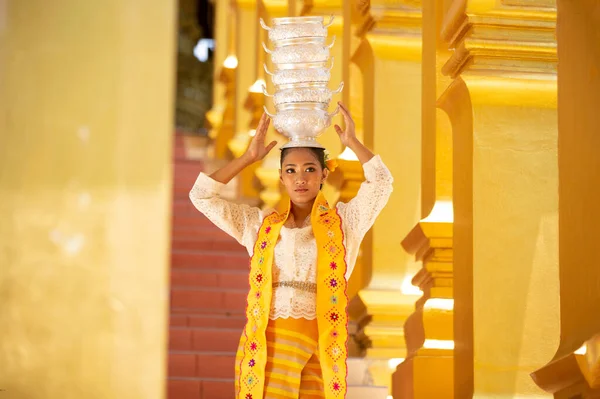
(311, 169)
(289, 171)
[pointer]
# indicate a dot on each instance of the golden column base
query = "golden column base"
(574, 375)
(428, 369)
(377, 325)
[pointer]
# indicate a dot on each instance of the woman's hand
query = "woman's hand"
(257, 150)
(347, 136)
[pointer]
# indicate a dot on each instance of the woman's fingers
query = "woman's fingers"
(347, 118)
(263, 125)
(262, 128)
(270, 146)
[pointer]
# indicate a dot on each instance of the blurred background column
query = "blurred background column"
(85, 185)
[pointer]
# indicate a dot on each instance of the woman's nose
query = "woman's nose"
(300, 179)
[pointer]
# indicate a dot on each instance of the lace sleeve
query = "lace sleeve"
(360, 213)
(239, 221)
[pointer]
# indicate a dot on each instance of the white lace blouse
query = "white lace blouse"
(296, 250)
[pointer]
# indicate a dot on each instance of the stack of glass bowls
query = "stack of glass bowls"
(302, 72)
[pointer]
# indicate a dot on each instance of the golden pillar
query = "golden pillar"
(427, 371)
(221, 51)
(86, 166)
(502, 107)
(222, 116)
(388, 58)
(574, 370)
(249, 95)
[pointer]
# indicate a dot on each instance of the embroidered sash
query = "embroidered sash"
(332, 302)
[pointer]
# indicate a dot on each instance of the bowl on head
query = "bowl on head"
(302, 119)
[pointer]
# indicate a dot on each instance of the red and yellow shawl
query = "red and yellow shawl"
(331, 302)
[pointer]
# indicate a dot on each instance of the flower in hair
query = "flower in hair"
(331, 164)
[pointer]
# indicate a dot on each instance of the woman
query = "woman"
(294, 342)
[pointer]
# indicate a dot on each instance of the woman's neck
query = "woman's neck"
(301, 212)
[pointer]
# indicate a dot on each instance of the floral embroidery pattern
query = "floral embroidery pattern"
(334, 283)
(334, 316)
(336, 386)
(257, 311)
(251, 363)
(335, 351)
(333, 265)
(263, 245)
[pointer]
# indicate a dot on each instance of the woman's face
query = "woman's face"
(302, 175)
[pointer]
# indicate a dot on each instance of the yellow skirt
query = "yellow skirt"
(293, 370)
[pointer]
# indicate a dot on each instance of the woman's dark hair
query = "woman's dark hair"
(319, 153)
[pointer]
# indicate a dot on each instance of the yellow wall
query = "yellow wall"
(85, 187)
